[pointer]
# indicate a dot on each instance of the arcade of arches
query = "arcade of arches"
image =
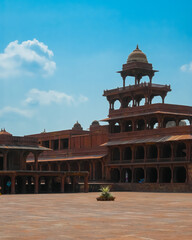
(150, 174)
(147, 123)
(95, 168)
(170, 151)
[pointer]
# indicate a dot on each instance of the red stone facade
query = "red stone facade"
(146, 145)
(16, 178)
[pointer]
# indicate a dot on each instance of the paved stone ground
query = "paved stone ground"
(133, 216)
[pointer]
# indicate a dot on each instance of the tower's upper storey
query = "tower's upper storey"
(137, 66)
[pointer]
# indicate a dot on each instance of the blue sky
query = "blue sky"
(57, 57)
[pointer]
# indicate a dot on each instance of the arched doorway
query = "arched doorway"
(165, 175)
(151, 175)
(139, 152)
(179, 174)
(127, 154)
(115, 175)
(126, 175)
(138, 174)
(98, 170)
(115, 154)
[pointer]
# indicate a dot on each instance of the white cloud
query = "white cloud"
(186, 67)
(21, 112)
(28, 58)
(82, 98)
(36, 96)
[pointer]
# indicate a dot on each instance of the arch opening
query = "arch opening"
(115, 175)
(181, 150)
(151, 175)
(140, 153)
(179, 174)
(128, 126)
(127, 154)
(140, 125)
(115, 154)
(152, 152)
(138, 175)
(117, 104)
(166, 151)
(126, 175)
(165, 175)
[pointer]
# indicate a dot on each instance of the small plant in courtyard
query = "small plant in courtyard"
(105, 194)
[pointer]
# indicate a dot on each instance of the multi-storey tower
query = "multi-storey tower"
(148, 142)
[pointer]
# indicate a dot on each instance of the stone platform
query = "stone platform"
(132, 216)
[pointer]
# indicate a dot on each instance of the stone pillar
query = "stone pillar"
(40, 167)
(150, 78)
(68, 166)
(78, 166)
(108, 176)
(146, 100)
(50, 145)
(93, 170)
(13, 184)
(86, 185)
(62, 184)
(36, 161)
(5, 160)
(36, 183)
(49, 166)
(123, 82)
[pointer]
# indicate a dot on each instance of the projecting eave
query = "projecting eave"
(85, 157)
(144, 114)
(30, 148)
(150, 140)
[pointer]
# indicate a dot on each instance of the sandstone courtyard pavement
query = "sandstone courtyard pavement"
(132, 216)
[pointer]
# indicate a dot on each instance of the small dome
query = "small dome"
(4, 132)
(137, 56)
(95, 123)
(77, 126)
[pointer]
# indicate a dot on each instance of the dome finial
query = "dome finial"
(137, 46)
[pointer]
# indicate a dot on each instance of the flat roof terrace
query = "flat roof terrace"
(132, 216)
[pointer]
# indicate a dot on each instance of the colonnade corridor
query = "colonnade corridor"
(20, 184)
(165, 174)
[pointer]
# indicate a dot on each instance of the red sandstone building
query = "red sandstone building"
(15, 177)
(144, 141)
(146, 146)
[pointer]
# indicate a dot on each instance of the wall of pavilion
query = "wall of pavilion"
(16, 178)
(150, 143)
(146, 146)
(74, 150)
